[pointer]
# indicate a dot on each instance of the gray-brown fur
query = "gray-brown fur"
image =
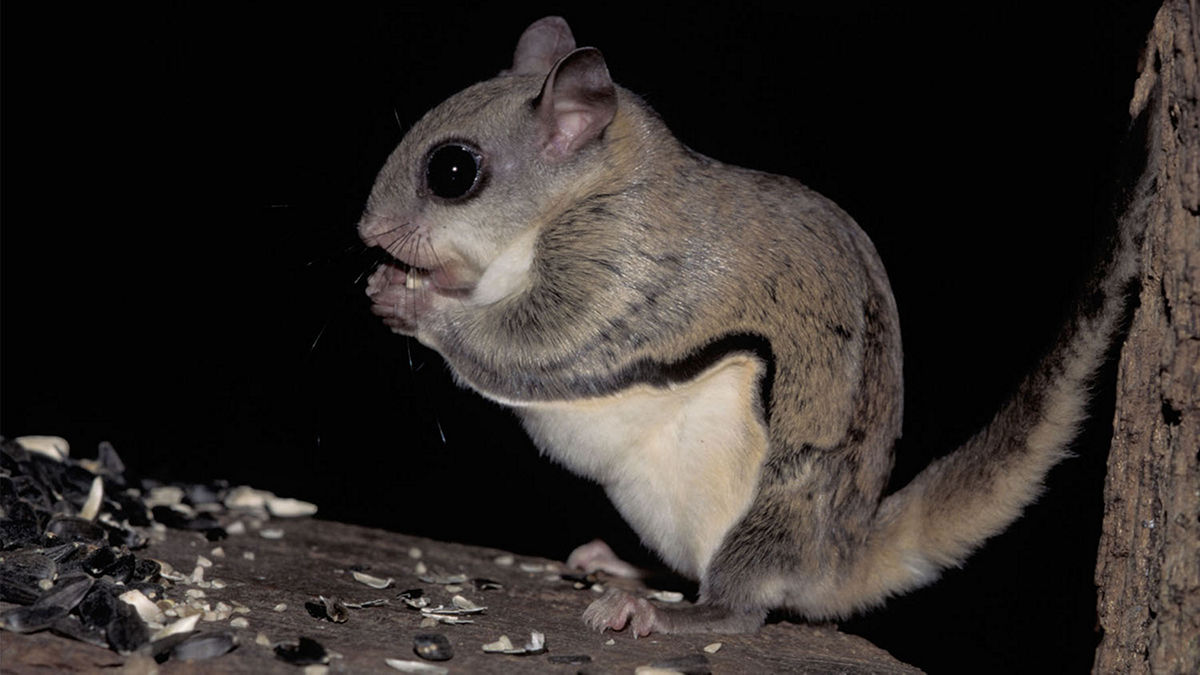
(651, 264)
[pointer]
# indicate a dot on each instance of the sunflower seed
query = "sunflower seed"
(448, 619)
(465, 604)
(67, 592)
(177, 628)
(433, 647)
(246, 498)
(32, 618)
(536, 645)
(54, 447)
(487, 585)
(126, 631)
(71, 528)
(22, 574)
(305, 652)
(165, 495)
(331, 608)
(462, 606)
(204, 646)
(91, 507)
(414, 598)
(74, 628)
(503, 645)
(373, 582)
(286, 507)
(367, 604)
(406, 666)
(149, 611)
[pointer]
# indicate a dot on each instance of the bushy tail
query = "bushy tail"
(961, 500)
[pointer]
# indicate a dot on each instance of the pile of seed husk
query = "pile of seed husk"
(70, 531)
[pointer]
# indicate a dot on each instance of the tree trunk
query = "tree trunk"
(1148, 568)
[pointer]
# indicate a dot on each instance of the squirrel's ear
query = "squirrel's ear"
(541, 45)
(577, 103)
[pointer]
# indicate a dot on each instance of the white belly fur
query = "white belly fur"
(680, 463)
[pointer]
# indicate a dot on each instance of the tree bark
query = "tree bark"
(277, 580)
(1148, 568)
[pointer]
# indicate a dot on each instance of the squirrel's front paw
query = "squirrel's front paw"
(597, 556)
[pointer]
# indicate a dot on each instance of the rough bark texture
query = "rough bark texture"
(1148, 569)
(315, 557)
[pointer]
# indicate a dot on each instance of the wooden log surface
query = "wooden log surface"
(315, 557)
(1148, 569)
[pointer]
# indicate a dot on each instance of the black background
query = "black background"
(181, 275)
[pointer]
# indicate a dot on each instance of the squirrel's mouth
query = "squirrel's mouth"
(415, 278)
(443, 280)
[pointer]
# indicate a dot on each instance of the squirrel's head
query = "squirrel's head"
(456, 202)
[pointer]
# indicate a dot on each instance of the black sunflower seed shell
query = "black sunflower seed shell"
(67, 592)
(21, 573)
(71, 528)
(126, 632)
(71, 626)
(304, 653)
(32, 618)
(99, 607)
(110, 463)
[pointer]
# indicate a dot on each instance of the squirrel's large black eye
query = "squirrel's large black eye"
(452, 171)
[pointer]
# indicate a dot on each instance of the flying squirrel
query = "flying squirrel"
(717, 347)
